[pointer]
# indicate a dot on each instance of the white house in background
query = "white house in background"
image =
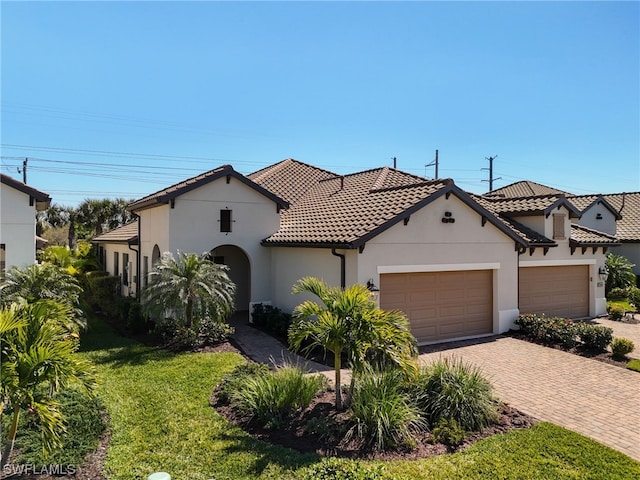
(118, 253)
(458, 265)
(18, 206)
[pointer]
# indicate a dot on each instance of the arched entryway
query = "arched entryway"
(239, 272)
(155, 255)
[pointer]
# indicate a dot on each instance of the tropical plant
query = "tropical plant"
(620, 272)
(44, 282)
(188, 289)
(38, 361)
(349, 322)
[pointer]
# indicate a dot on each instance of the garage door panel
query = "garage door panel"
(441, 305)
(555, 291)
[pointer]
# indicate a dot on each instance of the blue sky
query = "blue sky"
(123, 99)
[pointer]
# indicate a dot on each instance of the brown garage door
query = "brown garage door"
(441, 305)
(555, 291)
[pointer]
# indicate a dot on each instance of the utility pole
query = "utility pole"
(395, 161)
(490, 169)
(24, 171)
(435, 162)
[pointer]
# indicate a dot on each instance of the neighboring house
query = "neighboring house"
(459, 265)
(617, 214)
(118, 254)
(18, 206)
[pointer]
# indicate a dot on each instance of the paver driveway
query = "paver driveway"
(593, 398)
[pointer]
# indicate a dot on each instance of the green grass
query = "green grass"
(634, 365)
(621, 304)
(161, 420)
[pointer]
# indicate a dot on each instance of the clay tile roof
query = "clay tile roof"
(43, 200)
(524, 188)
(289, 179)
(532, 237)
(169, 193)
(584, 202)
(348, 210)
(534, 205)
(125, 234)
(628, 206)
(586, 237)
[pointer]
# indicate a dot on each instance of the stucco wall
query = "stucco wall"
(120, 249)
(606, 224)
(17, 227)
(427, 244)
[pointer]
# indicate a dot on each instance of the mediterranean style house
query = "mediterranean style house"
(459, 265)
(19, 203)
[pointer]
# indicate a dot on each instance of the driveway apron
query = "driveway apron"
(598, 400)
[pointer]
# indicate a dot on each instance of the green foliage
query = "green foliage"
(634, 296)
(620, 272)
(348, 321)
(270, 399)
(271, 319)
(617, 293)
(344, 469)
(448, 432)
(383, 414)
(84, 424)
(634, 365)
(621, 347)
(616, 312)
(545, 329)
(233, 380)
(453, 390)
(595, 337)
(188, 289)
(178, 336)
(103, 292)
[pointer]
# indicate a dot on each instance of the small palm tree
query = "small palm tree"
(191, 288)
(38, 360)
(349, 322)
(620, 272)
(43, 282)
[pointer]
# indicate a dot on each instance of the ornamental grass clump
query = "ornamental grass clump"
(452, 390)
(383, 414)
(270, 399)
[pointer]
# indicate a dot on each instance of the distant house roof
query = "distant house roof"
(525, 188)
(584, 202)
(586, 237)
(346, 211)
(43, 200)
(170, 193)
(532, 205)
(625, 205)
(125, 234)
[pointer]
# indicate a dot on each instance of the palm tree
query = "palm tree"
(349, 322)
(191, 288)
(620, 272)
(38, 360)
(47, 281)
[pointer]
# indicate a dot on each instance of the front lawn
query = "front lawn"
(161, 419)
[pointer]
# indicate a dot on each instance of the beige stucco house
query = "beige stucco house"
(19, 203)
(459, 265)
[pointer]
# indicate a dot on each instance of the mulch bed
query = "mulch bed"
(325, 437)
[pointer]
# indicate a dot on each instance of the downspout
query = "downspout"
(343, 275)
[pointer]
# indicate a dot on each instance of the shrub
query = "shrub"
(562, 331)
(595, 337)
(233, 380)
(452, 390)
(616, 312)
(212, 332)
(621, 347)
(271, 319)
(103, 291)
(618, 293)
(177, 336)
(272, 398)
(634, 365)
(84, 422)
(634, 297)
(344, 469)
(383, 414)
(448, 432)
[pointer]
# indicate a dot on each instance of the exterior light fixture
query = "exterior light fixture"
(598, 216)
(372, 286)
(604, 273)
(448, 218)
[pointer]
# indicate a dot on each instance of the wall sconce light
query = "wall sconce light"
(598, 216)
(372, 286)
(604, 273)
(448, 218)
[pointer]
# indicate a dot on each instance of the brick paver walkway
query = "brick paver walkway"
(593, 398)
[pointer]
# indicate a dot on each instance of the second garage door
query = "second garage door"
(555, 291)
(441, 305)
